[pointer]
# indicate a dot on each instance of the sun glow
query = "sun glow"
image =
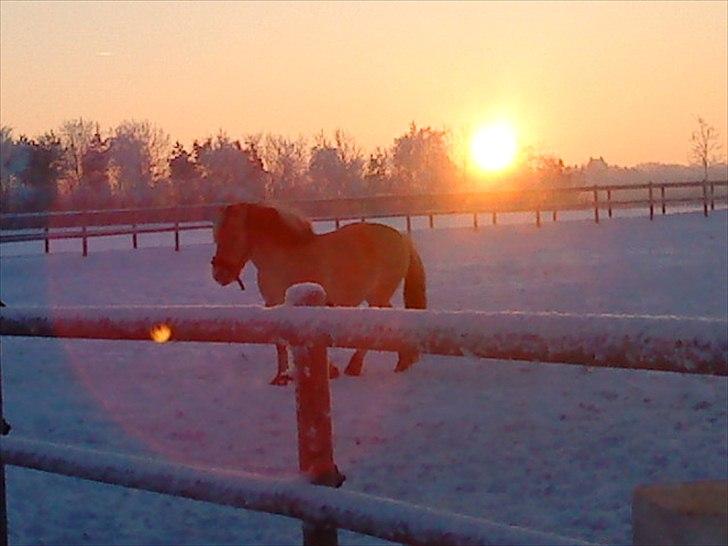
(494, 147)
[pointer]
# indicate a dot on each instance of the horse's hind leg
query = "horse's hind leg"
(356, 362)
(406, 359)
(357, 359)
(282, 377)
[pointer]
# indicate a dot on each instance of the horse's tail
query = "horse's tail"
(415, 295)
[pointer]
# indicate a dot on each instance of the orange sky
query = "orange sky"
(621, 80)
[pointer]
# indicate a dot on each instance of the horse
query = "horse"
(356, 263)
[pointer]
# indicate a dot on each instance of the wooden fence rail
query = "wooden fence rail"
(133, 222)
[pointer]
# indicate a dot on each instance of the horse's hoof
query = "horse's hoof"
(333, 372)
(403, 365)
(281, 380)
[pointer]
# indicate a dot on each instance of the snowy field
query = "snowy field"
(550, 447)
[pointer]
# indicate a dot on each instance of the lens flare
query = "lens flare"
(160, 333)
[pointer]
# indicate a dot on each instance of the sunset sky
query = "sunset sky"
(619, 80)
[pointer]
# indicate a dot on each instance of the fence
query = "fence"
(133, 222)
(665, 343)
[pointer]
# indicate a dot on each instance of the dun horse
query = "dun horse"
(357, 263)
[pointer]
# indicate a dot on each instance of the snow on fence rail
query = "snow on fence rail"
(293, 497)
(671, 343)
(698, 345)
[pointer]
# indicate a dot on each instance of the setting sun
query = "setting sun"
(494, 146)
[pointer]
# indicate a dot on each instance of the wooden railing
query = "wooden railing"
(133, 222)
(664, 343)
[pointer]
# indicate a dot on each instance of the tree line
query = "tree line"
(135, 164)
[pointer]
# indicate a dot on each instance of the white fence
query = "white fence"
(375, 516)
(666, 343)
(680, 344)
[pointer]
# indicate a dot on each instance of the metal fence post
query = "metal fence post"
(84, 241)
(609, 203)
(4, 429)
(313, 409)
(652, 203)
(176, 236)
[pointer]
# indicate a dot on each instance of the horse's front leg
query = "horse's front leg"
(282, 378)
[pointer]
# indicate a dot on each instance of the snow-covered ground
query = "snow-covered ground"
(551, 447)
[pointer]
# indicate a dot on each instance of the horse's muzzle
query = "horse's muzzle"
(225, 272)
(223, 276)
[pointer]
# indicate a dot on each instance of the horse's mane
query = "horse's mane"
(283, 227)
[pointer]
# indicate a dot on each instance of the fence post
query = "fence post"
(538, 218)
(432, 221)
(4, 429)
(46, 242)
(596, 205)
(313, 409)
(475, 220)
(712, 196)
(176, 236)
(553, 215)
(409, 224)
(84, 240)
(495, 220)
(337, 224)
(652, 204)
(662, 198)
(609, 202)
(705, 198)
(134, 241)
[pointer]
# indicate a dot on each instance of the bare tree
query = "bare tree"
(75, 135)
(706, 147)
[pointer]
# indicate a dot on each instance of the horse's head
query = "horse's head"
(233, 243)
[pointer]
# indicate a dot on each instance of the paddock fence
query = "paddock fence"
(652, 198)
(692, 345)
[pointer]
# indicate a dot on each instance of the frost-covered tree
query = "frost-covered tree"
(286, 161)
(421, 161)
(336, 169)
(33, 168)
(95, 186)
(377, 178)
(8, 170)
(230, 172)
(139, 154)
